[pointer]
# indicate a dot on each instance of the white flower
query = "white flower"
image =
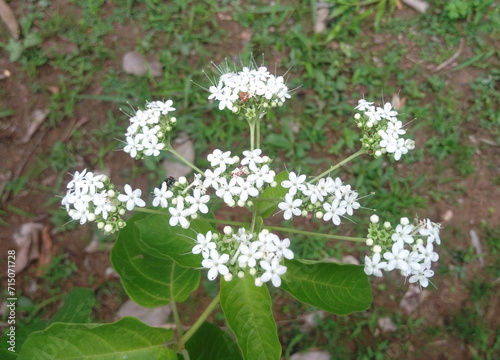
(204, 244)
(152, 147)
(102, 204)
(93, 182)
(162, 107)
(273, 271)
(422, 276)
(215, 264)
(212, 178)
(162, 195)
(132, 198)
(387, 112)
(350, 202)
(427, 254)
(198, 202)
(363, 105)
(81, 212)
(224, 192)
(402, 234)
(313, 193)
(294, 183)
(397, 258)
(338, 189)
(282, 249)
(252, 157)
(227, 98)
(334, 211)
(134, 144)
(431, 230)
(261, 175)
(78, 178)
(249, 254)
(179, 215)
(400, 148)
(290, 206)
(219, 158)
(216, 91)
(244, 188)
(373, 266)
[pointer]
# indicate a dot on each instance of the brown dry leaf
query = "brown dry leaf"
(153, 317)
(9, 19)
(27, 240)
(397, 102)
(321, 19)
(474, 239)
(37, 118)
(413, 298)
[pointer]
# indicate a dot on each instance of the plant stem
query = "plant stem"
(346, 160)
(184, 160)
(198, 322)
(328, 236)
(227, 222)
(251, 124)
(151, 211)
(178, 325)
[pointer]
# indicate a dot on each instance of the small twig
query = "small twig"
(453, 57)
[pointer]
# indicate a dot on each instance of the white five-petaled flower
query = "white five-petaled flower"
(244, 188)
(162, 195)
(152, 147)
(363, 105)
(273, 271)
(204, 245)
(250, 254)
(215, 264)
(221, 159)
(397, 258)
(334, 211)
(252, 157)
(198, 202)
(178, 215)
(162, 107)
(402, 234)
(294, 183)
(373, 266)
(431, 230)
(282, 248)
(290, 206)
(422, 276)
(131, 198)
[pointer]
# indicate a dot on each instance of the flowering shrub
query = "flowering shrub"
(162, 250)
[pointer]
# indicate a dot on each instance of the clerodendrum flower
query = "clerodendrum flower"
(216, 264)
(131, 197)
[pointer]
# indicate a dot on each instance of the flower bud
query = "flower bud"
(374, 219)
(236, 158)
(241, 203)
(304, 213)
(182, 180)
(228, 230)
(241, 274)
(378, 153)
(377, 249)
(111, 193)
(91, 217)
(121, 211)
(274, 184)
(100, 225)
(357, 116)
(215, 236)
(404, 221)
(249, 203)
(108, 228)
(420, 241)
(228, 277)
(369, 242)
(387, 225)
(319, 215)
(252, 271)
(173, 120)
(258, 282)
(194, 216)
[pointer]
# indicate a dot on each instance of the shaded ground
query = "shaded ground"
(466, 204)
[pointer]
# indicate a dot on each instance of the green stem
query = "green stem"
(251, 124)
(198, 322)
(346, 160)
(258, 133)
(151, 211)
(184, 160)
(226, 222)
(178, 325)
(328, 236)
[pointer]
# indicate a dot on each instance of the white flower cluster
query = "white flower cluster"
(91, 197)
(251, 88)
(329, 198)
(235, 253)
(382, 130)
(403, 249)
(148, 128)
(232, 181)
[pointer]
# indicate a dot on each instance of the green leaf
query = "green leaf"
(128, 339)
(160, 239)
(249, 313)
(77, 307)
(274, 195)
(211, 343)
(150, 280)
(339, 289)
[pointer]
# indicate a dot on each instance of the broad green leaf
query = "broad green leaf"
(211, 343)
(271, 197)
(249, 314)
(158, 238)
(77, 307)
(149, 280)
(128, 339)
(339, 289)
